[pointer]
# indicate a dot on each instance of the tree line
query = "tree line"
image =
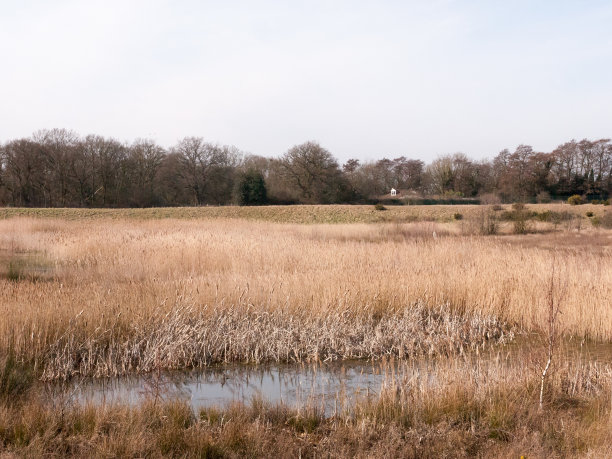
(58, 168)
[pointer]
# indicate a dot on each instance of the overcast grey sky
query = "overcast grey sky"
(365, 78)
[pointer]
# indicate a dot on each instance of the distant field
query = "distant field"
(290, 214)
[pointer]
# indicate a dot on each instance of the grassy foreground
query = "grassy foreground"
(475, 410)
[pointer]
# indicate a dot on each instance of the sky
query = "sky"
(366, 79)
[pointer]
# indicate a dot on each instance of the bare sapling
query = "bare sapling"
(154, 386)
(554, 297)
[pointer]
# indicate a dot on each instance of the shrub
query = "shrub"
(520, 226)
(544, 216)
(595, 201)
(596, 221)
(488, 223)
(519, 215)
(484, 221)
(379, 206)
(562, 217)
(489, 227)
(458, 216)
(574, 200)
(589, 214)
(606, 202)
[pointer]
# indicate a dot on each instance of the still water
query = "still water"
(329, 387)
(325, 386)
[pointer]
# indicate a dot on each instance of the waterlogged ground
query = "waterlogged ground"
(330, 388)
(24, 265)
(326, 387)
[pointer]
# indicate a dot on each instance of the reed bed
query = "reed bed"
(115, 293)
(186, 338)
(110, 294)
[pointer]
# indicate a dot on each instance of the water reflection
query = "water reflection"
(295, 385)
(328, 387)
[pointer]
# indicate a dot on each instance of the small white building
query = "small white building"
(393, 192)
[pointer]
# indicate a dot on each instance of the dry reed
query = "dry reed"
(117, 289)
(186, 338)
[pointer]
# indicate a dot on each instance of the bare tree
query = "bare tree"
(452, 173)
(58, 146)
(207, 169)
(555, 294)
(24, 171)
(108, 157)
(314, 172)
(408, 172)
(144, 159)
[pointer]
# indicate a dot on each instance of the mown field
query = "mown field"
(97, 293)
(303, 214)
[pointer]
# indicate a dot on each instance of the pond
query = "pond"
(320, 385)
(328, 387)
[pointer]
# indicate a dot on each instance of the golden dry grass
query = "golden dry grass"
(115, 284)
(110, 293)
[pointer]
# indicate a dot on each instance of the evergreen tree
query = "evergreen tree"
(252, 189)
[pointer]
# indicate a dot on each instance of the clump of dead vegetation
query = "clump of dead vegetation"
(191, 337)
